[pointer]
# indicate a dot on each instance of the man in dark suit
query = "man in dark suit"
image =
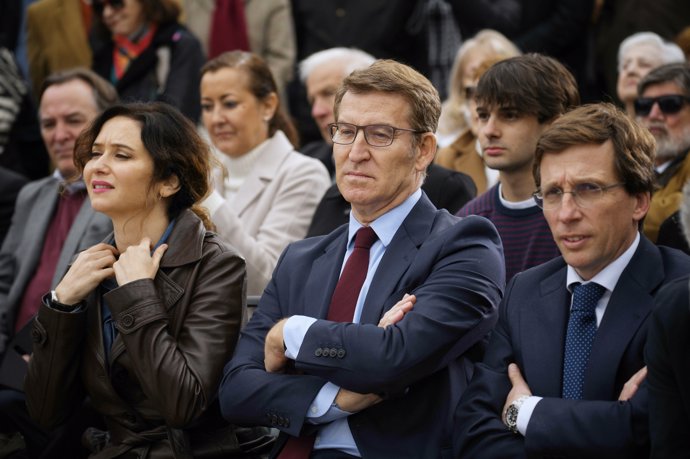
(352, 382)
(322, 73)
(667, 357)
(563, 375)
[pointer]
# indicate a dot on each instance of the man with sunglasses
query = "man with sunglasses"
(563, 372)
(664, 108)
(337, 356)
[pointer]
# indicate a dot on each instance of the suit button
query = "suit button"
(318, 352)
(333, 353)
(127, 320)
(341, 353)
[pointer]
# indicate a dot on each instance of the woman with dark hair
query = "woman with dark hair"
(139, 46)
(269, 194)
(144, 322)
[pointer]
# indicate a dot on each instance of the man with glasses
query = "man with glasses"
(563, 372)
(516, 100)
(664, 108)
(337, 355)
(322, 73)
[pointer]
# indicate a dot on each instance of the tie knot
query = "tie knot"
(365, 238)
(586, 296)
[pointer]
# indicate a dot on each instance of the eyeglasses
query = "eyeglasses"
(99, 5)
(667, 104)
(585, 195)
(376, 135)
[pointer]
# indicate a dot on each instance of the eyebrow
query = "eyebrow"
(118, 145)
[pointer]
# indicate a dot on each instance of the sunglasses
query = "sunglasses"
(99, 5)
(667, 104)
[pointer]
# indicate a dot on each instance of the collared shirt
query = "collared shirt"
(607, 278)
(335, 432)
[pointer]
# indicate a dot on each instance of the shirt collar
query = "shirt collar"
(607, 277)
(69, 187)
(387, 224)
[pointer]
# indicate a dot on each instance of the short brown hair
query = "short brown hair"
(594, 124)
(533, 84)
(389, 76)
(261, 84)
(175, 148)
(104, 93)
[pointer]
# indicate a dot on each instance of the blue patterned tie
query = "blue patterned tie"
(582, 326)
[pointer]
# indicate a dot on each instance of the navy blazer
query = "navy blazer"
(531, 331)
(454, 267)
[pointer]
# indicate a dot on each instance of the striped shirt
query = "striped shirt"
(526, 237)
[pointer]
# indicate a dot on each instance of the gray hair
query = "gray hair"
(668, 52)
(353, 58)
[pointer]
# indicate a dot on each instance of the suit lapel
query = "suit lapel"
(39, 220)
(325, 272)
(628, 308)
(542, 332)
(400, 253)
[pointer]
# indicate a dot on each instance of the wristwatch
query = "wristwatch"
(512, 413)
(55, 303)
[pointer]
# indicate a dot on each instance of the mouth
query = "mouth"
(101, 187)
(574, 241)
(493, 151)
(354, 175)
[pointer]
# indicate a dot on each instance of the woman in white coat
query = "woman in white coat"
(268, 193)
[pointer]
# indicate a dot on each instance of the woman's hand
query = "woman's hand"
(91, 267)
(137, 262)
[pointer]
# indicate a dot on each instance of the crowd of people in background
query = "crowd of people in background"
(337, 229)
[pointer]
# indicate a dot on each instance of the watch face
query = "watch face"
(511, 417)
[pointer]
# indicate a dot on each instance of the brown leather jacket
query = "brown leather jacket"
(175, 334)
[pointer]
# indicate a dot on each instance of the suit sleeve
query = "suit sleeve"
(458, 287)
(9, 264)
(249, 394)
(478, 427)
(567, 428)
(665, 354)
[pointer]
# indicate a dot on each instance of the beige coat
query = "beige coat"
(273, 207)
(56, 39)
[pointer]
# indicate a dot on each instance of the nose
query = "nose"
(359, 149)
(62, 132)
(568, 210)
(216, 115)
(655, 112)
(320, 109)
(489, 127)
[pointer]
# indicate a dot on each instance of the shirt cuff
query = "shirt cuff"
(213, 202)
(323, 409)
(525, 413)
(295, 329)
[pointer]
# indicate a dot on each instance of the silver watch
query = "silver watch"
(512, 413)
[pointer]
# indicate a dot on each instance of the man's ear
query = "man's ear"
(169, 186)
(426, 151)
(642, 201)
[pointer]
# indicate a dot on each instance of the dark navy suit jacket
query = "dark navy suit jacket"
(420, 365)
(531, 330)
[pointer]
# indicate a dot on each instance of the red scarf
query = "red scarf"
(125, 50)
(228, 28)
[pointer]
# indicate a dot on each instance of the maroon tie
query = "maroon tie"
(341, 309)
(344, 299)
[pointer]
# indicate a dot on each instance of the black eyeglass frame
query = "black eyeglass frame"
(644, 105)
(334, 128)
(601, 189)
(99, 5)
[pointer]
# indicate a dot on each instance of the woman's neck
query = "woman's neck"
(132, 229)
